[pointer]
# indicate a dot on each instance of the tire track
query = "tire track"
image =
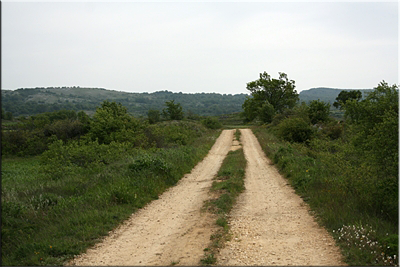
(169, 230)
(271, 225)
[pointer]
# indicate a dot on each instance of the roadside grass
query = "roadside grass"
(228, 184)
(326, 175)
(56, 205)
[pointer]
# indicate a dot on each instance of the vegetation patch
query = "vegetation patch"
(68, 196)
(331, 177)
(346, 170)
(228, 184)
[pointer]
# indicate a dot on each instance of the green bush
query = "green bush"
(150, 162)
(61, 158)
(295, 130)
(333, 130)
(111, 122)
(211, 123)
(24, 142)
(173, 133)
(65, 129)
(343, 187)
(318, 111)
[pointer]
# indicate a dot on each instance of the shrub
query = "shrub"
(150, 162)
(65, 129)
(173, 133)
(333, 130)
(211, 123)
(318, 111)
(153, 116)
(62, 158)
(295, 130)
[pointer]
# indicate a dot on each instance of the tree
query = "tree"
(344, 96)
(376, 125)
(8, 116)
(370, 111)
(269, 95)
(111, 122)
(153, 116)
(318, 111)
(173, 111)
(250, 109)
(266, 112)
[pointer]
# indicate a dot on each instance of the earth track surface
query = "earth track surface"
(270, 224)
(169, 230)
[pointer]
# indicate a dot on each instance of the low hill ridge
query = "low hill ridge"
(30, 101)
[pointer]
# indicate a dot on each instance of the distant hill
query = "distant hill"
(32, 101)
(325, 94)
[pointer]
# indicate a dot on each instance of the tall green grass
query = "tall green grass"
(328, 175)
(56, 205)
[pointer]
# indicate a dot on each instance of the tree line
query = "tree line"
(28, 102)
(110, 123)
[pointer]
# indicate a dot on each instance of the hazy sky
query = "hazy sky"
(195, 47)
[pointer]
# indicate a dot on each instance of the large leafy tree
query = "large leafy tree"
(344, 96)
(269, 96)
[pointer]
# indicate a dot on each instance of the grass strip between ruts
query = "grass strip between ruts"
(228, 184)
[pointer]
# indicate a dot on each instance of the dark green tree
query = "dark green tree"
(8, 116)
(153, 116)
(375, 121)
(318, 111)
(279, 93)
(344, 96)
(266, 112)
(173, 111)
(250, 109)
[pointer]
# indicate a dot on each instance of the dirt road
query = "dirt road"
(270, 225)
(171, 229)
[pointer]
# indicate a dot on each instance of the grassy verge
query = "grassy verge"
(57, 205)
(322, 173)
(228, 184)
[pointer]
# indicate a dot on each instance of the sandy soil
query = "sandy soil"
(270, 224)
(169, 230)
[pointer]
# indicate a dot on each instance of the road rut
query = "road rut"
(270, 224)
(169, 230)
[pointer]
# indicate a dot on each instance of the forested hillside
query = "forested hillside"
(325, 94)
(31, 101)
(38, 100)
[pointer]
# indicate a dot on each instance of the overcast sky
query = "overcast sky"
(194, 47)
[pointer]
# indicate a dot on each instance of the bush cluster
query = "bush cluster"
(90, 175)
(347, 171)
